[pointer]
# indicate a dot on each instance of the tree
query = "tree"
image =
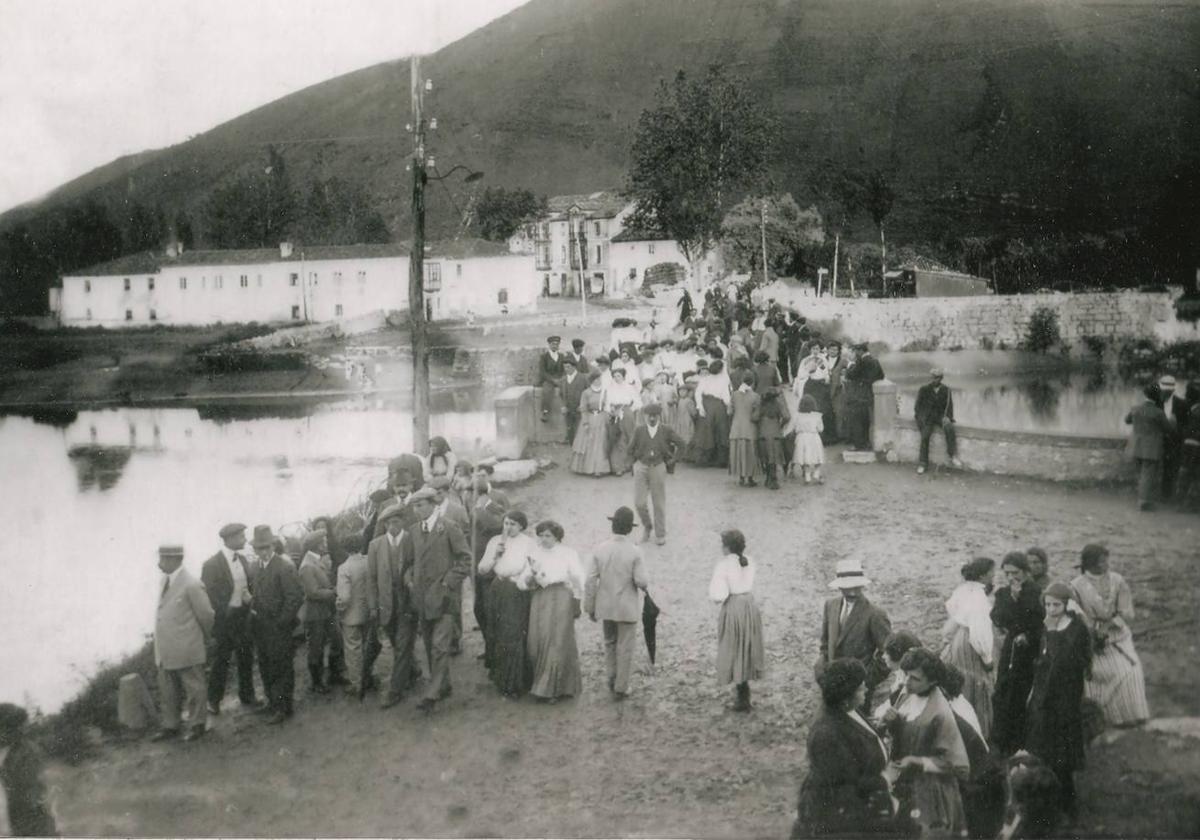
(255, 210)
(184, 232)
(788, 229)
(840, 196)
(704, 140)
(878, 197)
(500, 212)
(338, 212)
(144, 228)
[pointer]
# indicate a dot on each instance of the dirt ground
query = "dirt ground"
(672, 760)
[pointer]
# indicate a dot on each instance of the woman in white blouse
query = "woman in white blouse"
(622, 401)
(969, 637)
(507, 558)
(712, 403)
(556, 576)
(740, 655)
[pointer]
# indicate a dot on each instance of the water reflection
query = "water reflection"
(1042, 397)
(99, 466)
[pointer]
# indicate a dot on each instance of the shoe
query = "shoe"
(620, 696)
(165, 735)
(921, 470)
(263, 709)
(277, 718)
(645, 534)
(352, 691)
(195, 733)
(388, 702)
(957, 462)
(340, 679)
(612, 682)
(426, 705)
(253, 705)
(545, 416)
(660, 540)
(750, 482)
(214, 709)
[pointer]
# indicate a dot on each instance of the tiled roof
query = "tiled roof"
(143, 263)
(461, 249)
(640, 235)
(598, 205)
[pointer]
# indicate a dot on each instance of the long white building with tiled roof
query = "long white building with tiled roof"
(294, 283)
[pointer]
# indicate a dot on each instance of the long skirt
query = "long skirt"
(685, 428)
(743, 459)
(770, 452)
(619, 454)
(1118, 684)
(740, 654)
(508, 616)
(589, 452)
(716, 453)
(977, 681)
(551, 643)
(819, 391)
(938, 801)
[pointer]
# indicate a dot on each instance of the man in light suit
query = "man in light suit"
(611, 595)
(227, 577)
(354, 613)
(387, 601)
(182, 626)
(852, 626)
(435, 559)
(1150, 431)
(277, 599)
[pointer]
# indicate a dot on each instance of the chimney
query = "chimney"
(285, 249)
(174, 249)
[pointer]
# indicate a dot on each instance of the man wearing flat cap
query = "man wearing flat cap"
(182, 626)
(654, 448)
(435, 559)
(277, 599)
(1151, 428)
(935, 410)
(317, 613)
(851, 626)
(228, 578)
(388, 600)
(574, 383)
(550, 374)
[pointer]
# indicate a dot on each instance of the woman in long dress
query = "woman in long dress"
(814, 369)
(969, 639)
(1117, 682)
(622, 401)
(557, 578)
(507, 558)
(928, 751)
(712, 404)
(743, 432)
(685, 413)
(1018, 612)
(740, 655)
(1055, 731)
(589, 452)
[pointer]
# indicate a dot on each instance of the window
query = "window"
(598, 260)
(362, 277)
(293, 279)
(128, 312)
(295, 313)
(433, 277)
(502, 296)
(127, 284)
(219, 282)
(458, 269)
(564, 254)
(312, 278)
(337, 311)
(87, 286)
(153, 315)
(89, 314)
(337, 278)
(183, 283)
(633, 274)
(650, 247)
(150, 284)
(244, 281)
(597, 228)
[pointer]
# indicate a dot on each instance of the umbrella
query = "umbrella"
(650, 613)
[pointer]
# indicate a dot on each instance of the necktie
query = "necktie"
(424, 527)
(166, 585)
(846, 607)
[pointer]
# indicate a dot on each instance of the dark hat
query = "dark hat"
(554, 339)
(861, 347)
(652, 410)
(262, 536)
(577, 343)
(594, 375)
(568, 361)
(622, 518)
(231, 530)
(701, 363)
(424, 494)
(392, 510)
(174, 551)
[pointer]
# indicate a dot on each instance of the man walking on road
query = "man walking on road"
(654, 447)
(851, 626)
(611, 596)
(935, 410)
(227, 578)
(182, 627)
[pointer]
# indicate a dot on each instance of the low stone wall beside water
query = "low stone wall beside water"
(990, 320)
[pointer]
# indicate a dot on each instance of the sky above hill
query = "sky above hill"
(82, 83)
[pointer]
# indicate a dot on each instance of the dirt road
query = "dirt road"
(672, 761)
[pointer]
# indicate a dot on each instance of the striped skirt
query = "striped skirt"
(740, 653)
(977, 681)
(1118, 684)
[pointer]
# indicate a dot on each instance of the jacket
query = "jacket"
(655, 450)
(278, 595)
(550, 369)
(616, 573)
(1150, 426)
(435, 565)
(386, 596)
(859, 378)
(352, 604)
(218, 581)
(934, 404)
(183, 623)
(866, 629)
(844, 793)
(573, 391)
(318, 589)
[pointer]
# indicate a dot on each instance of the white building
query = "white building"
(292, 283)
(633, 252)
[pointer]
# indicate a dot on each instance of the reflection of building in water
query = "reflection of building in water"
(99, 466)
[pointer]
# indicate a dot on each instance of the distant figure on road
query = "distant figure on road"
(1189, 462)
(611, 596)
(1150, 431)
(182, 627)
(935, 410)
(227, 578)
(1177, 409)
(550, 373)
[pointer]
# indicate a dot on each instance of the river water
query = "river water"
(90, 495)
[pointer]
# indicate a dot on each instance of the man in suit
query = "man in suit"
(1176, 409)
(578, 357)
(450, 509)
(318, 613)
(435, 560)
(550, 373)
(574, 384)
(353, 606)
(852, 626)
(653, 446)
(488, 506)
(837, 396)
(182, 627)
(858, 384)
(611, 596)
(228, 579)
(277, 599)
(1150, 430)
(388, 600)
(935, 410)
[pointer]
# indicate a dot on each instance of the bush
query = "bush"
(36, 354)
(230, 360)
(1095, 344)
(1043, 332)
(919, 345)
(987, 343)
(1187, 308)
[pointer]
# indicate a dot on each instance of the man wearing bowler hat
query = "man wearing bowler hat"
(851, 625)
(277, 599)
(935, 410)
(611, 596)
(182, 626)
(654, 447)
(436, 560)
(550, 374)
(228, 579)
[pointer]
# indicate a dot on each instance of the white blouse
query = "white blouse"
(560, 564)
(508, 557)
(731, 578)
(712, 386)
(623, 395)
(969, 607)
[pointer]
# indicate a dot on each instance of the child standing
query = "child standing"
(809, 454)
(773, 418)
(685, 415)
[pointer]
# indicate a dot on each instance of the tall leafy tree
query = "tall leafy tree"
(500, 212)
(256, 210)
(787, 229)
(705, 141)
(878, 196)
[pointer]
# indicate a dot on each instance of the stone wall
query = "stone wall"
(991, 320)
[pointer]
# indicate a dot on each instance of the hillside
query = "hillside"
(987, 114)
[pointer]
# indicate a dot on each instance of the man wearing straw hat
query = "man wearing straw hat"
(277, 599)
(182, 626)
(851, 625)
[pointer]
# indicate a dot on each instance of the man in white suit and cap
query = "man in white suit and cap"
(182, 628)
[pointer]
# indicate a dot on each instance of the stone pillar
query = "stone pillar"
(135, 709)
(515, 421)
(883, 416)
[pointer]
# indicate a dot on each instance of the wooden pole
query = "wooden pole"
(837, 242)
(416, 273)
(762, 226)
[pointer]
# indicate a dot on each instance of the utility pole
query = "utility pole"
(837, 241)
(578, 235)
(762, 224)
(416, 271)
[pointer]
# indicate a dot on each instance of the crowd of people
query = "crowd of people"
(1165, 443)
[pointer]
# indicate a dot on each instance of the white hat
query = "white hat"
(849, 575)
